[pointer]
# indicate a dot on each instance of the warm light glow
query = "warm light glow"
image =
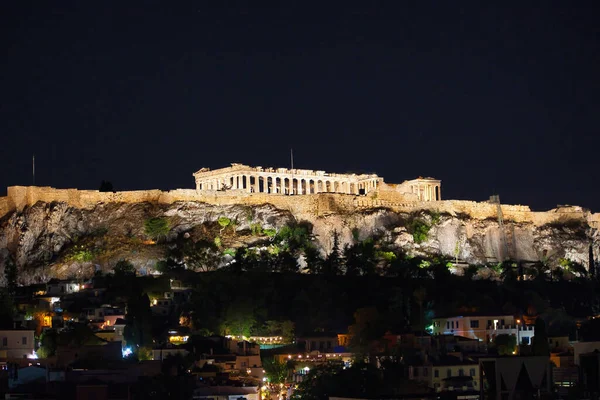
(178, 339)
(32, 356)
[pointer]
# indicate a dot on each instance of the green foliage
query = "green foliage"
(388, 256)
(270, 232)
(505, 344)
(81, 253)
(333, 263)
(435, 217)
(333, 380)
(202, 255)
(368, 327)
(224, 222)
(124, 268)
(239, 319)
(156, 228)
(275, 371)
(138, 328)
(355, 234)
(256, 229)
(419, 229)
(229, 252)
(10, 275)
(48, 344)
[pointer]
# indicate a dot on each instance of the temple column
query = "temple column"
(255, 183)
(291, 184)
(299, 181)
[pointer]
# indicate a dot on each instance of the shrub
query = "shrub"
(124, 267)
(230, 252)
(270, 232)
(156, 228)
(256, 229)
(224, 222)
(419, 230)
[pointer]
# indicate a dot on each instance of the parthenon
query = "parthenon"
(283, 180)
(303, 181)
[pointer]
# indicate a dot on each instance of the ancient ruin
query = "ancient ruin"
(304, 181)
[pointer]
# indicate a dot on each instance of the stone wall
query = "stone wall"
(19, 197)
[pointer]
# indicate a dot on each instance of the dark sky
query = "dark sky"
(488, 99)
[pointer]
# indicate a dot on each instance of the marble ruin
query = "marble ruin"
(303, 181)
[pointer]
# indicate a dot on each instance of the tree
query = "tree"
(276, 371)
(506, 344)
(333, 263)
(360, 258)
(314, 261)
(156, 228)
(124, 268)
(138, 328)
(539, 342)
(368, 327)
(239, 319)
(106, 186)
(201, 255)
(10, 274)
(48, 344)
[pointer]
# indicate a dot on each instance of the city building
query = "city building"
(483, 327)
(444, 374)
(17, 343)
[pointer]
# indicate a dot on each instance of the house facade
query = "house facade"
(437, 375)
(483, 327)
(17, 344)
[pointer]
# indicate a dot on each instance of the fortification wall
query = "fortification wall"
(19, 197)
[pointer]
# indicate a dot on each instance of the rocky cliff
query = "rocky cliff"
(58, 240)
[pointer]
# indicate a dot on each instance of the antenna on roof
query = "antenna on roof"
(33, 169)
(292, 157)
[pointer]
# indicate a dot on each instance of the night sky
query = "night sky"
(487, 99)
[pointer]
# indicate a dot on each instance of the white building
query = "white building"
(483, 327)
(437, 374)
(17, 344)
(56, 287)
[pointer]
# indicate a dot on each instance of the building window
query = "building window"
(502, 322)
(456, 324)
(436, 373)
(461, 372)
(490, 323)
(447, 324)
(24, 340)
(525, 340)
(452, 324)
(472, 372)
(4, 341)
(475, 323)
(449, 373)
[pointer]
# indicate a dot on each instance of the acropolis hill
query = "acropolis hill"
(299, 191)
(345, 203)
